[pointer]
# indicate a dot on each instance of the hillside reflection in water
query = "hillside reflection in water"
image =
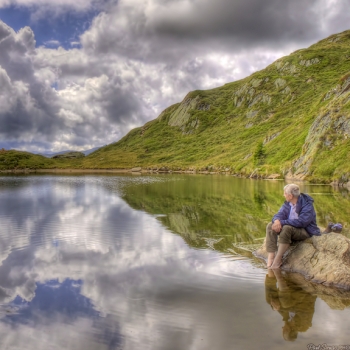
(122, 262)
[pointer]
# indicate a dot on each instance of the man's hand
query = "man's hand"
(276, 226)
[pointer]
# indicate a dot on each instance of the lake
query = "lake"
(155, 262)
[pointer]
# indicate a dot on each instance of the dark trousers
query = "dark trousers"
(287, 234)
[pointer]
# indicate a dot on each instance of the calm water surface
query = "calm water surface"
(155, 262)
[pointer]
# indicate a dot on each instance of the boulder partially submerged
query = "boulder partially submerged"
(321, 259)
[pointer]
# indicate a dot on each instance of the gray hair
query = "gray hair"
(292, 189)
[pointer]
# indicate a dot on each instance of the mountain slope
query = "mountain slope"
(296, 112)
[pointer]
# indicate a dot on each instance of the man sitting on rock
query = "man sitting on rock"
(296, 220)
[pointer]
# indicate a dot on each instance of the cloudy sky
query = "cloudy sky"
(80, 74)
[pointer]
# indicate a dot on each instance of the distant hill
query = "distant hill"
(12, 159)
(291, 118)
(52, 154)
(69, 155)
(91, 150)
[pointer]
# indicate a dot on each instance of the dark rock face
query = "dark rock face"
(69, 155)
(321, 259)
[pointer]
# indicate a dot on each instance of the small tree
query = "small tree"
(259, 154)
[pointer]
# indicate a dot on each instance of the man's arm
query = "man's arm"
(277, 226)
(283, 213)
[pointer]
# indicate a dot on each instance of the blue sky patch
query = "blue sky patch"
(50, 31)
(53, 298)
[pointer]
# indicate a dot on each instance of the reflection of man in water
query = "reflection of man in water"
(296, 306)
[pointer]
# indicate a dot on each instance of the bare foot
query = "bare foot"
(282, 248)
(276, 264)
(270, 258)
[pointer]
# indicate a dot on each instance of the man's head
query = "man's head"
(291, 193)
(289, 333)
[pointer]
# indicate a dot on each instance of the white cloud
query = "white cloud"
(52, 43)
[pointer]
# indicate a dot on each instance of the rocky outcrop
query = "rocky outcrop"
(308, 63)
(312, 143)
(279, 83)
(333, 124)
(322, 259)
(181, 115)
(285, 67)
(248, 94)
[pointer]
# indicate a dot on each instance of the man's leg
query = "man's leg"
(277, 262)
(288, 234)
(271, 244)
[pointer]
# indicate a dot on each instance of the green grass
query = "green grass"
(23, 160)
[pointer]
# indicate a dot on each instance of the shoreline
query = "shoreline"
(140, 171)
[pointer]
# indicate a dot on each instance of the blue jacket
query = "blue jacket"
(306, 212)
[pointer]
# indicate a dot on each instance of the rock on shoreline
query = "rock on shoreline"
(321, 259)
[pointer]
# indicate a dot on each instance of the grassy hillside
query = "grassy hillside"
(19, 160)
(291, 117)
(12, 160)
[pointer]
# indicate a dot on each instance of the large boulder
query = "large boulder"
(322, 259)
